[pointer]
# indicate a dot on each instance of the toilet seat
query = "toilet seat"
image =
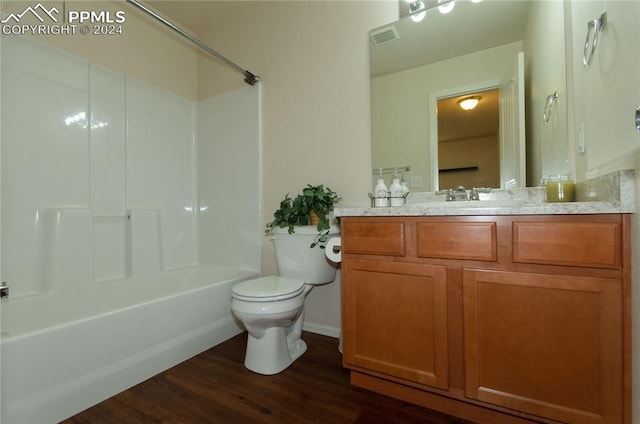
(268, 289)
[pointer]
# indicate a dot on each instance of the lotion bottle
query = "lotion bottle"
(396, 191)
(381, 193)
(405, 187)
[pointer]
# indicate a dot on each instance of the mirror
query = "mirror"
(473, 48)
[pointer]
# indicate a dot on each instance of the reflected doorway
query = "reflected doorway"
(469, 141)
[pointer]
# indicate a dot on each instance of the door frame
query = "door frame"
(434, 96)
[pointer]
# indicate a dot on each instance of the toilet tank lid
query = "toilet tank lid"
(268, 287)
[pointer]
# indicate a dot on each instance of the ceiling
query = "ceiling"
(454, 123)
(470, 27)
(198, 16)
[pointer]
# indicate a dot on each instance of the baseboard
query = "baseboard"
(321, 329)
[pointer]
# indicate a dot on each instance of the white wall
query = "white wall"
(607, 93)
(146, 49)
(605, 96)
(545, 74)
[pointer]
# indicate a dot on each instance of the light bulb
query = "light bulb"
(446, 8)
(415, 7)
(469, 103)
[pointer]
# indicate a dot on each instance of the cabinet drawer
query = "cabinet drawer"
(590, 244)
(457, 240)
(373, 238)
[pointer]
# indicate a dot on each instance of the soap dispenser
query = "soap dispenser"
(405, 187)
(396, 191)
(381, 193)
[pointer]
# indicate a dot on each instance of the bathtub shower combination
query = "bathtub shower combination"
(119, 244)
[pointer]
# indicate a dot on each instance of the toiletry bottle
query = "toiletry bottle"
(380, 192)
(396, 191)
(405, 187)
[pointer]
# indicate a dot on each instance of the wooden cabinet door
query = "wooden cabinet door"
(549, 345)
(395, 319)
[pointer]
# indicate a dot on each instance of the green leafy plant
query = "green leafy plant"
(295, 212)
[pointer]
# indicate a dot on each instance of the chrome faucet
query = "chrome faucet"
(452, 195)
(460, 193)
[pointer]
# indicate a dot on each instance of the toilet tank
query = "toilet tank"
(296, 259)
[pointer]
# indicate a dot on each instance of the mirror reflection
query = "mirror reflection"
(514, 48)
(468, 148)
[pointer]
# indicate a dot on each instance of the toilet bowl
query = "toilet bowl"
(272, 308)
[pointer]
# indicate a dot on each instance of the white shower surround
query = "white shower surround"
(114, 217)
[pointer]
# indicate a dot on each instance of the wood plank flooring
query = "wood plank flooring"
(214, 387)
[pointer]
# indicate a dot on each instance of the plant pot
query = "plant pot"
(314, 218)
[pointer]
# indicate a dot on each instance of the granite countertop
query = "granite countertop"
(490, 208)
(612, 193)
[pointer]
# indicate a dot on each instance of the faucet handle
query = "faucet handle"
(449, 192)
(475, 192)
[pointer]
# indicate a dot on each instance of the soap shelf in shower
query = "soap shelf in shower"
(111, 218)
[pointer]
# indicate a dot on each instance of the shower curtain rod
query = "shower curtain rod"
(249, 77)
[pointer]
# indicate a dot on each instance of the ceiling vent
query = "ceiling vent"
(384, 35)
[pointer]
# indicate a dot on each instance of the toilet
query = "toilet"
(272, 308)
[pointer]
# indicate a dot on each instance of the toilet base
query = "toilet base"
(272, 353)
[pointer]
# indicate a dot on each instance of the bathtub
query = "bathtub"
(58, 357)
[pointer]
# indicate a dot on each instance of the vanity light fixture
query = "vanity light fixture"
(414, 8)
(418, 9)
(468, 103)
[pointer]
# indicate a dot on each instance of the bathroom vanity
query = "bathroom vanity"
(501, 315)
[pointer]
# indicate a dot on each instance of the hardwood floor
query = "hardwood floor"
(214, 387)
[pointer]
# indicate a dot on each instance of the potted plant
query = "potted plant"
(311, 207)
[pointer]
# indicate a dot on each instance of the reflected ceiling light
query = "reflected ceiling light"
(414, 8)
(80, 120)
(468, 103)
(476, 1)
(447, 6)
